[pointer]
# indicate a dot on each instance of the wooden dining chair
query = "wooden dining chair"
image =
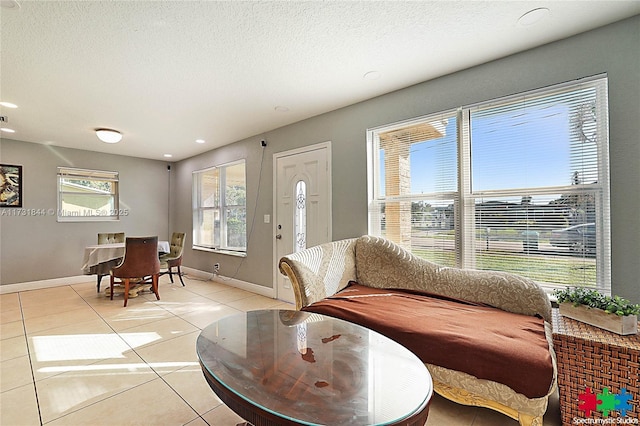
(140, 261)
(107, 238)
(174, 257)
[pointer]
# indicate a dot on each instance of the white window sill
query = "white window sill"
(227, 252)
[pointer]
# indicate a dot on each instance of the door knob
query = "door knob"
(278, 236)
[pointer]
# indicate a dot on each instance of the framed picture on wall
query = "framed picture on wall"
(10, 185)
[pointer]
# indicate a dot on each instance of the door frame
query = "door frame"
(302, 150)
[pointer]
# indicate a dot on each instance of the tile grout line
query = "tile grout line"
(26, 341)
(199, 330)
(144, 361)
(97, 361)
(103, 319)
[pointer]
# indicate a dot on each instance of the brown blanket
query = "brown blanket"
(483, 341)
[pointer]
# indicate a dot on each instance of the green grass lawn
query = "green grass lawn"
(558, 270)
(562, 270)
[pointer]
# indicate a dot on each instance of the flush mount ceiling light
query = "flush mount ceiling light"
(8, 105)
(199, 140)
(533, 16)
(109, 135)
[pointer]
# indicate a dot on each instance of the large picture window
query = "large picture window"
(219, 208)
(518, 184)
(88, 195)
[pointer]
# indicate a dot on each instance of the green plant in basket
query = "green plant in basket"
(592, 298)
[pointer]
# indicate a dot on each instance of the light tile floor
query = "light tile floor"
(70, 356)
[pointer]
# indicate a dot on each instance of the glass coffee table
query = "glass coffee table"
(281, 367)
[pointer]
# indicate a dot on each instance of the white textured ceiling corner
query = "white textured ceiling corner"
(166, 73)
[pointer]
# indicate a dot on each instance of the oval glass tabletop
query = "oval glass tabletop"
(312, 369)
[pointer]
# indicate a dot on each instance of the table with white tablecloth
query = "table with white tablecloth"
(99, 259)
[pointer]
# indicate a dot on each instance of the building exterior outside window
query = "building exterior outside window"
(517, 184)
(88, 195)
(219, 208)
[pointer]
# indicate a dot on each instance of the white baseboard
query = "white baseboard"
(243, 285)
(57, 282)
(37, 285)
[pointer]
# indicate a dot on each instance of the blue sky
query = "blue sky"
(540, 154)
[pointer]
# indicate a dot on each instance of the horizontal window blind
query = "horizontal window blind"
(78, 174)
(219, 207)
(517, 184)
(87, 195)
(537, 140)
(417, 167)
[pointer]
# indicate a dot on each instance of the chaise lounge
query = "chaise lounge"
(485, 336)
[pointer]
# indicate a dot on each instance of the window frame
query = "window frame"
(465, 198)
(222, 208)
(111, 214)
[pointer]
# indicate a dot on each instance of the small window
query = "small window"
(219, 208)
(87, 195)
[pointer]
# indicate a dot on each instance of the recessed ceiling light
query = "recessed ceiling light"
(7, 130)
(199, 140)
(281, 108)
(533, 16)
(109, 135)
(8, 105)
(168, 155)
(372, 75)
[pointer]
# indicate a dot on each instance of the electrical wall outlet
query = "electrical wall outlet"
(216, 268)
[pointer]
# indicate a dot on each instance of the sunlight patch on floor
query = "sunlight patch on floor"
(88, 346)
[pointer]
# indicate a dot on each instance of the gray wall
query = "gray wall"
(612, 49)
(34, 248)
(58, 248)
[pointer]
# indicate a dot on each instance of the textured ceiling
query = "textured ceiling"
(166, 73)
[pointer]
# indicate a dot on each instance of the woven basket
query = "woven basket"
(590, 357)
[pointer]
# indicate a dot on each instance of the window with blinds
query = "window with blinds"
(518, 184)
(88, 195)
(219, 208)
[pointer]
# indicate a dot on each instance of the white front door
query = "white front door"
(302, 205)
